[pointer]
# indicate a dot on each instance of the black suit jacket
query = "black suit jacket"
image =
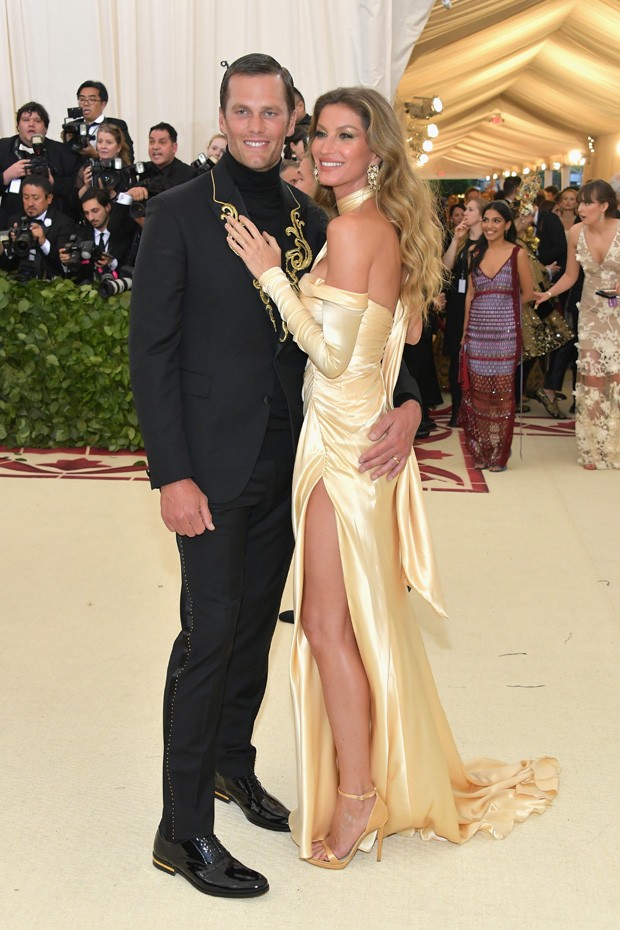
(203, 352)
(64, 165)
(551, 240)
(57, 232)
(177, 172)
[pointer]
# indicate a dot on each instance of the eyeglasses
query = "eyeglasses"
(89, 99)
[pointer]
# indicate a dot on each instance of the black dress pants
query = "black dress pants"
(232, 583)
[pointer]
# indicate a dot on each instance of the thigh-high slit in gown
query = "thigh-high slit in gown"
(384, 545)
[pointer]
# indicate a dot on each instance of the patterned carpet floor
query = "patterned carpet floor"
(445, 464)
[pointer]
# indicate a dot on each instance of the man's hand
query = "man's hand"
(138, 193)
(185, 509)
(104, 260)
(89, 151)
(17, 170)
(38, 233)
(393, 436)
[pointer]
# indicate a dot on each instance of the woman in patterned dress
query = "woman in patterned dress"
(499, 282)
(594, 243)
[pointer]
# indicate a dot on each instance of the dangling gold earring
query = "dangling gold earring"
(315, 172)
(373, 177)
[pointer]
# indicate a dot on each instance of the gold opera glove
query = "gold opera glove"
(331, 345)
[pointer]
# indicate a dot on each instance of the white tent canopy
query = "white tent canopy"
(548, 69)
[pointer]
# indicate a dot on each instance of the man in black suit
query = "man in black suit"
(552, 248)
(16, 161)
(164, 170)
(92, 97)
(113, 246)
(49, 230)
(217, 384)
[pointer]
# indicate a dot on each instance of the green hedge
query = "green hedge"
(64, 372)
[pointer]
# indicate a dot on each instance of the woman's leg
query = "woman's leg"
(327, 625)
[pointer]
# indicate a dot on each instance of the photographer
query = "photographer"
(36, 236)
(96, 247)
(18, 160)
(164, 168)
(106, 170)
(216, 147)
(92, 98)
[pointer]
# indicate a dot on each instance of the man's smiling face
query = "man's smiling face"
(256, 120)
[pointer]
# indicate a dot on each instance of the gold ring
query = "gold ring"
(396, 460)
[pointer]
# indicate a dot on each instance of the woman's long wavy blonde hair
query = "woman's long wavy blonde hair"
(404, 198)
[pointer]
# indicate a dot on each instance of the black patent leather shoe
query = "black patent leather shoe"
(259, 807)
(208, 867)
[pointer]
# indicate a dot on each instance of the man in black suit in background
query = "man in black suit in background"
(217, 385)
(92, 97)
(112, 246)
(552, 248)
(49, 231)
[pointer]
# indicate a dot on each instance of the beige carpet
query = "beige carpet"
(527, 664)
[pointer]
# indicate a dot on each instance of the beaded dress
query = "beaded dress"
(491, 349)
(597, 396)
(355, 346)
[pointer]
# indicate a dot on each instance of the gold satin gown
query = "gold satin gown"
(385, 544)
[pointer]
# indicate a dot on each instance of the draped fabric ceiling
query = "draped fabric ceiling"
(551, 69)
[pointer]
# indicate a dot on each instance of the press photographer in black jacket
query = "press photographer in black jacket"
(36, 233)
(18, 160)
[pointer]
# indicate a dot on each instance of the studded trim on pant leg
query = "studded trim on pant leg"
(176, 683)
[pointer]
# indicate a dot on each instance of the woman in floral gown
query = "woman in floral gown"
(594, 243)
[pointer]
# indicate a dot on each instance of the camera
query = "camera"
(74, 130)
(107, 173)
(144, 174)
(38, 163)
(82, 252)
(23, 240)
(111, 284)
(202, 163)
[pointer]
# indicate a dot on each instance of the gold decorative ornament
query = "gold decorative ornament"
(296, 259)
(373, 177)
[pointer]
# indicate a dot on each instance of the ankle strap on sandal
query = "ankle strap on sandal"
(358, 797)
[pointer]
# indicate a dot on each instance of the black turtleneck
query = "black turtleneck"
(261, 192)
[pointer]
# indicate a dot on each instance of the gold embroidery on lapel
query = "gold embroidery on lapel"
(296, 259)
(228, 209)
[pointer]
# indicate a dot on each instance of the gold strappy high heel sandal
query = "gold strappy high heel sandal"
(376, 822)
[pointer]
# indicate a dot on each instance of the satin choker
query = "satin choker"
(354, 200)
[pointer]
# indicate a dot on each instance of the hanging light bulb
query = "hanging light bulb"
(543, 166)
(437, 104)
(423, 158)
(427, 145)
(526, 171)
(574, 157)
(495, 176)
(556, 166)
(432, 131)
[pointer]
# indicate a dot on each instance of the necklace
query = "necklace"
(354, 200)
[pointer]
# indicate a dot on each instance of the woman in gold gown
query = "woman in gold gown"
(374, 750)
